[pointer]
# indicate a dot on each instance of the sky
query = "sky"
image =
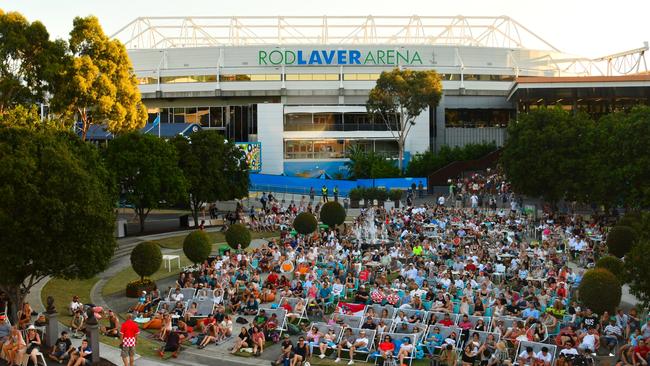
(578, 27)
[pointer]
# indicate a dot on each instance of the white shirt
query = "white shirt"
(363, 341)
(177, 296)
(547, 359)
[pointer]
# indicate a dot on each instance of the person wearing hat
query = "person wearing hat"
(327, 341)
(405, 350)
(33, 341)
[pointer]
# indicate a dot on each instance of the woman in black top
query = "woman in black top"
(301, 352)
(468, 356)
(33, 343)
(242, 340)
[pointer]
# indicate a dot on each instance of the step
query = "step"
(193, 356)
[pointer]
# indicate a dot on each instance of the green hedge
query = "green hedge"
(600, 291)
(305, 223)
(196, 246)
(332, 213)
(146, 259)
(612, 264)
(238, 234)
(620, 240)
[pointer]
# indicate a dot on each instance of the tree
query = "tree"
(620, 240)
(612, 264)
(332, 213)
(100, 86)
(368, 164)
(421, 165)
(399, 97)
(146, 170)
(544, 154)
(146, 259)
(600, 290)
(637, 271)
(215, 170)
(305, 223)
(56, 212)
(196, 246)
(30, 63)
(238, 234)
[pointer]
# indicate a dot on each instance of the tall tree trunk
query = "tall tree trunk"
(16, 300)
(141, 217)
(195, 206)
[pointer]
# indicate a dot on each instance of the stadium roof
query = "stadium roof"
(202, 31)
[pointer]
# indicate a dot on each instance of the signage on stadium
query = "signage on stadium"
(339, 57)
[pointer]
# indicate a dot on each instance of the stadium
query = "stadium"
(294, 88)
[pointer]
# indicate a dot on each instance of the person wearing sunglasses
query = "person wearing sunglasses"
(301, 352)
(386, 349)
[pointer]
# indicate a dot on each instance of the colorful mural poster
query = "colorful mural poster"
(253, 151)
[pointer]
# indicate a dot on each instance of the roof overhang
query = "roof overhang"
(534, 86)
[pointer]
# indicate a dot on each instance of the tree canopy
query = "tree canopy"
(215, 170)
(368, 164)
(100, 86)
(544, 155)
(30, 63)
(146, 172)
(56, 210)
(404, 94)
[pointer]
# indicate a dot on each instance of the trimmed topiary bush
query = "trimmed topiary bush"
(196, 246)
(238, 234)
(146, 259)
(305, 223)
(332, 213)
(600, 291)
(620, 240)
(612, 264)
(135, 288)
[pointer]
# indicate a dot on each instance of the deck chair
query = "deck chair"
(398, 341)
(293, 301)
(422, 315)
(351, 321)
(409, 328)
(370, 334)
(439, 315)
(537, 348)
(323, 328)
(281, 315)
(387, 322)
(378, 309)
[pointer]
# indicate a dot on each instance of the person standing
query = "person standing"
(335, 190)
(312, 194)
(263, 201)
(421, 189)
(128, 335)
(324, 193)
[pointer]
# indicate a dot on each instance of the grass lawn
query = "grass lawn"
(63, 290)
(176, 242)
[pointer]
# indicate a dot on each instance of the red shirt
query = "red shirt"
(272, 278)
(287, 307)
(386, 346)
(446, 322)
(363, 275)
(642, 350)
(129, 331)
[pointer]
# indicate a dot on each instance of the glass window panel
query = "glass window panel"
(164, 115)
(179, 115)
(203, 114)
(190, 115)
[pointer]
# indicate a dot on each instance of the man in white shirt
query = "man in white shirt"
(589, 340)
(526, 357)
(441, 200)
(474, 200)
(544, 356)
(177, 295)
(612, 333)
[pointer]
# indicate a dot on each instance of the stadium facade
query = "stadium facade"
(296, 87)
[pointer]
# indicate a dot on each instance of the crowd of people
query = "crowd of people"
(460, 285)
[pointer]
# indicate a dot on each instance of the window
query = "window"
(179, 115)
(216, 117)
(360, 77)
(336, 149)
(164, 115)
(203, 115)
(477, 118)
(250, 77)
(188, 79)
(147, 80)
(191, 116)
(312, 77)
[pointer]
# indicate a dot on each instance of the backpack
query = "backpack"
(241, 320)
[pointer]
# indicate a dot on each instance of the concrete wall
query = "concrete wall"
(269, 133)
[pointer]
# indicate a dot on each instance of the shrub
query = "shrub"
(196, 246)
(146, 259)
(600, 290)
(238, 234)
(382, 194)
(395, 194)
(356, 194)
(620, 240)
(332, 213)
(369, 194)
(135, 288)
(612, 264)
(305, 223)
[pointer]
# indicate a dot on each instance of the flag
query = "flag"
(156, 121)
(351, 309)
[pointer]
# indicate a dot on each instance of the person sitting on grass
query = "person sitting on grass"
(166, 327)
(301, 352)
(210, 335)
(258, 339)
(261, 318)
(82, 356)
(251, 307)
(242, 340)
(112, 330)
(172, 344)
(62, 348)
(286, 353)
(78, 324)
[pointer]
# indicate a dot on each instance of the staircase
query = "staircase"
(124, 248)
